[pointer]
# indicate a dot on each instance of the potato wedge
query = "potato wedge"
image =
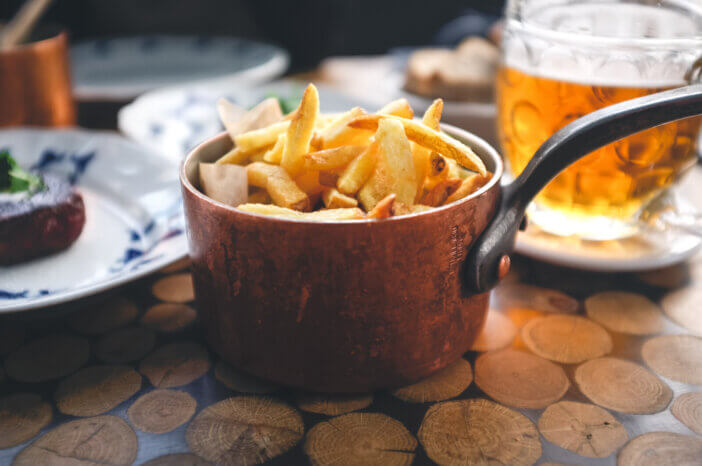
(237, 120)
(358, 171)
(319, 215)
(400, 107)
(334, 159)
(258, 138)
(328, 179)
(282, 189)
(422, 161)
(385, 208)
(333, 199)
(440, 192)
(308, 181)
(275, 153)
(468, 186)
(300, 132)
(337, 133)
(419, 208)
(259, 196)
(429, 138)
(394, 172)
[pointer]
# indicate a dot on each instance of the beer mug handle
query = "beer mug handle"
(572, 142)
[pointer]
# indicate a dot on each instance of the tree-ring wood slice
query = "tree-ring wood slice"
(105, 316)
(240, 381)
(360, 439)
(520, 379)
(174, 288)
(677, 357)
(244, 430)
(683, 307)
(125, 345)
(497, 333)
(178, 459)
(671, 277)
(161, 411)
(177, 266)
(478, 431)
(624, 312)
(47, 358)
(582, 428)
(95, 440)
(11, 337)
(567, 339)
(22, 416)
(96, 390)
(687, 408)
(169, 317)
(175, 364)
(622, 386)
(523, 296)
(661, 449)
(447, 383)
(332, 404)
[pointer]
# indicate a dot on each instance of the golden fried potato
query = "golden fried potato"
(429, 138)
(358, 171)
(319, 215)
(282, 189)
(333, 199)
(438, 194)
(328, 179)
(259, 196)
(394, 172)
(300, 132)
(421, 155)
(308, 181)
(334, 159)
(337, 133)
(400, 107)
(275, 153)
(259, 138)
(468, 186)
(385, 208)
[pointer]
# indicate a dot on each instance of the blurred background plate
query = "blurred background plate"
(123, 68)
(134, 216)
(172, 121)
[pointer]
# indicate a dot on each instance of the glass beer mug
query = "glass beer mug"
(563, 59)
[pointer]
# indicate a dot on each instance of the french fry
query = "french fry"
(358, 171)
(421, 155)
(333, 199)
(383, 209)
(440, 192)
(235, 156)
(259, 196)
(437, 172)
(236, 120)
(429, 138)
(300, 132)
(419, 208)
(337, 133)
(468, 186)
(328, 179)
(333, 159)
(319, 215)
(258, 138)
(257, 156)
(275, 153)
(394, 172)
(282, 189)
(308, 181)
(400, 107)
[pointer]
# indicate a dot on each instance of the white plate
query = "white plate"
(134, 216)
(122, 68)
(645, 251)
(172, 121)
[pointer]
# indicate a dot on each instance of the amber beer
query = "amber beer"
(615, 181)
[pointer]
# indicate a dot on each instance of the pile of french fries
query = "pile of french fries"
(348, 166)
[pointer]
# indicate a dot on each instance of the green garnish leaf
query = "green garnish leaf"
(13, 179)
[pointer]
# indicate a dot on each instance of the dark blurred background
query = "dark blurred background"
(309, 29)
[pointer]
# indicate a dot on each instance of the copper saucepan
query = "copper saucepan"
(356, 306)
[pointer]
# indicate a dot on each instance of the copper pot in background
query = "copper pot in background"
(35, 84)
(336, 306)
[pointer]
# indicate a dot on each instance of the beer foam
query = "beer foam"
(606, 44)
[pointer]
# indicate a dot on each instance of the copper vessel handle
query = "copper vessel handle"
(572, 142)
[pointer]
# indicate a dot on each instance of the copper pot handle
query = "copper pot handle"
(579, 138)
